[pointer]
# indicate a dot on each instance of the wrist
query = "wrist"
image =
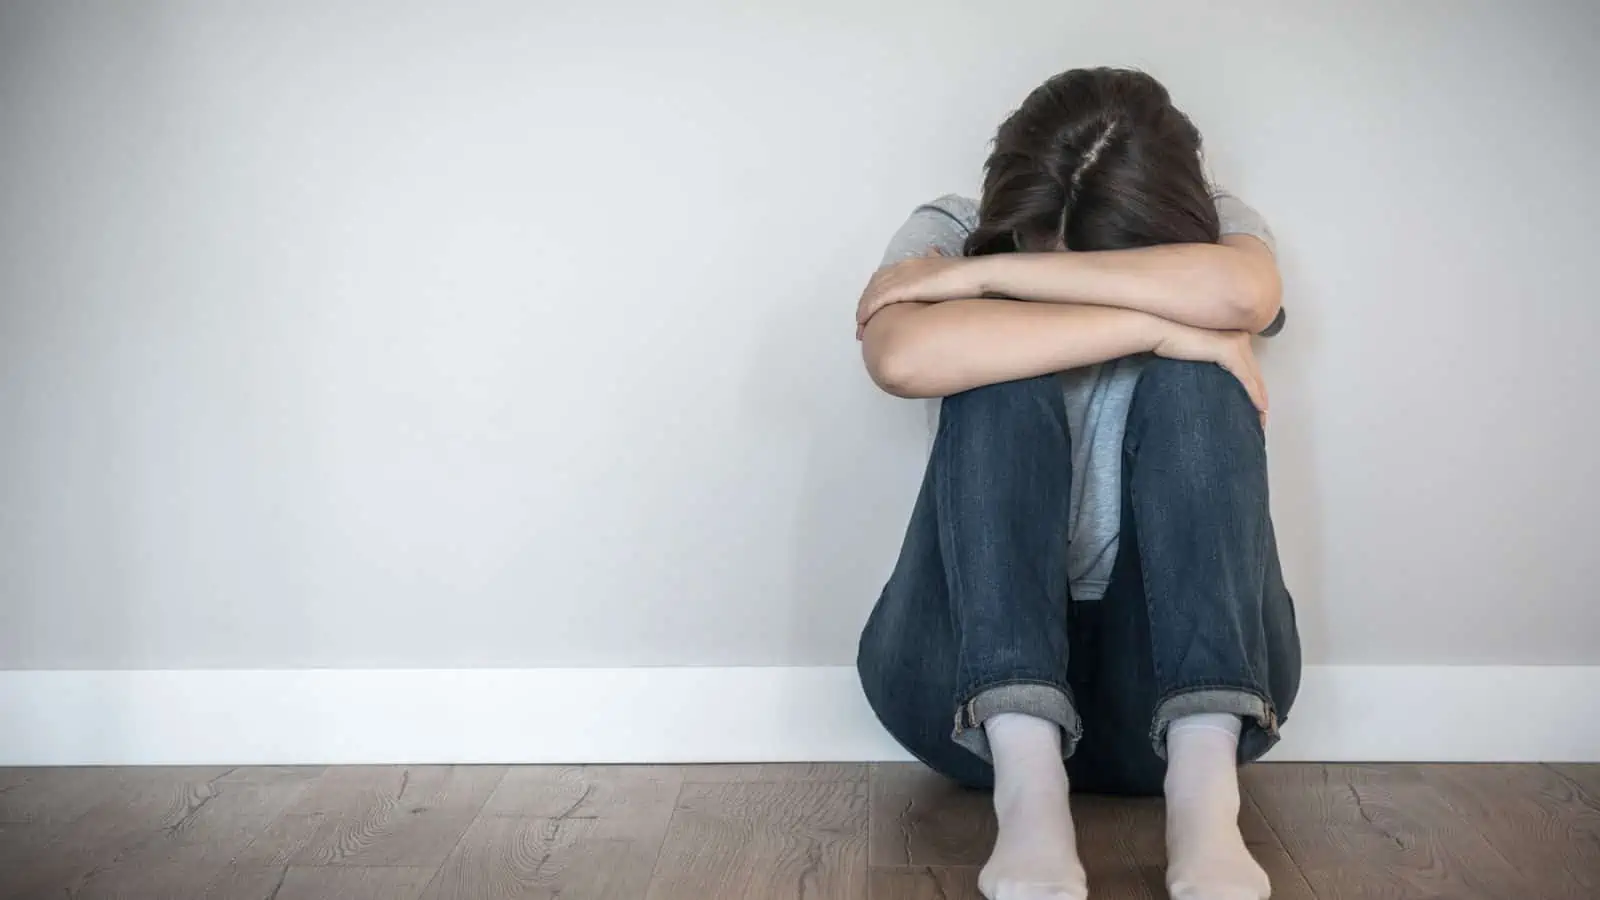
(1158, 331)
(986, 275)
(1041, 277)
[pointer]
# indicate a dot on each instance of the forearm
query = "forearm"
(938, 349)
(1205, 285)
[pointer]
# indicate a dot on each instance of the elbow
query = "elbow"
(896, 368)
(1256, 298)
(1242, 286)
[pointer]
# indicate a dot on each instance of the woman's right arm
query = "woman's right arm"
(938, 349)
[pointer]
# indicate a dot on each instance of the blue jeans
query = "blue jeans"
(976, 619)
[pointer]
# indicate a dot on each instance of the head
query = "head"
(1095, 159)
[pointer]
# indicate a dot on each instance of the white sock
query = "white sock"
(1036, 854)
(1206, 855)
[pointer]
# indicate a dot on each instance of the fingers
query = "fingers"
(1251, 386)
(1242, 366)
(871, 299)
(870, 304)
(884, 288)
(1261, 382)
(1255, 384)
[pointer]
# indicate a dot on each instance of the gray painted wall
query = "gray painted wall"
(518, 334)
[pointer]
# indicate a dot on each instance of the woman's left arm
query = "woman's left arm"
(1230, 285)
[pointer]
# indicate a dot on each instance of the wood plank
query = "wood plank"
(1585, 775)
(920, 818)
(320, 883)
(1377, 831)
(246, 883)
(768, 840)
(180, 859)
(923, 883)
(501, 857)
(598, 840)
(1122, 843)
(265, 774)
(1288, 882)
(567, 792)
(748, 774)
(376, 816)
(56, 796)
(21, 843)
(131, 808)
(1536, 819)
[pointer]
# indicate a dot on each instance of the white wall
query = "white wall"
(518, 334)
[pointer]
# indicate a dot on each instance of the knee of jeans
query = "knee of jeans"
(1200, 398)
(1198, 418)
(1008, 399)
(1185, 383)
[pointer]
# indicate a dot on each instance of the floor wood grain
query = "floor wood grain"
(182, 857)
(1288, 882)
(920, 819)
(1534, 817)
(777, 772)
(567, 792)
(1379, 831)
(1585, 777)
(79, 848)
(321, 883)
(580, 833)
(923, 883)
(777, 840)
(886, 832)
(1122, 845)
(376, 816)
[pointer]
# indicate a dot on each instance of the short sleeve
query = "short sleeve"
(1238, 217)
(942, 224)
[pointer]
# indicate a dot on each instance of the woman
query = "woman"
(1089, 593)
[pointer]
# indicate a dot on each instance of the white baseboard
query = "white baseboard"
(668, 715)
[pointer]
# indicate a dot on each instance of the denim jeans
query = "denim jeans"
(976, 620)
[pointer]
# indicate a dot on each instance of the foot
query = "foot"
(1210, 862)
(1036, 854)
(1206, 855)
(1035, 857)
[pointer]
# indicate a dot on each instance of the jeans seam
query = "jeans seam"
(972, 693)
(1266, 699)
(1269, 708)
(1210, 685)
(966, 718)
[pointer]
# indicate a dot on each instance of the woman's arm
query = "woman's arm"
(1232, 285)
(937, 349)
(1229, 285)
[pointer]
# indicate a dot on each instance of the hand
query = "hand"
(930, 278)
(1229, 349)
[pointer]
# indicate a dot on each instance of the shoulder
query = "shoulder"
(942, 223)
(963, 211)
(1238, 217)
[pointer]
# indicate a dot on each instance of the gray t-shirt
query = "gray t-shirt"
(1097, 396)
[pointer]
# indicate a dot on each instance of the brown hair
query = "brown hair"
(1095, 159)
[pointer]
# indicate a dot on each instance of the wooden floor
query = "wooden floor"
(832, 832)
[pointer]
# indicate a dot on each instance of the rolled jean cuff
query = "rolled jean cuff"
(1255, 708)
(1029, 698)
